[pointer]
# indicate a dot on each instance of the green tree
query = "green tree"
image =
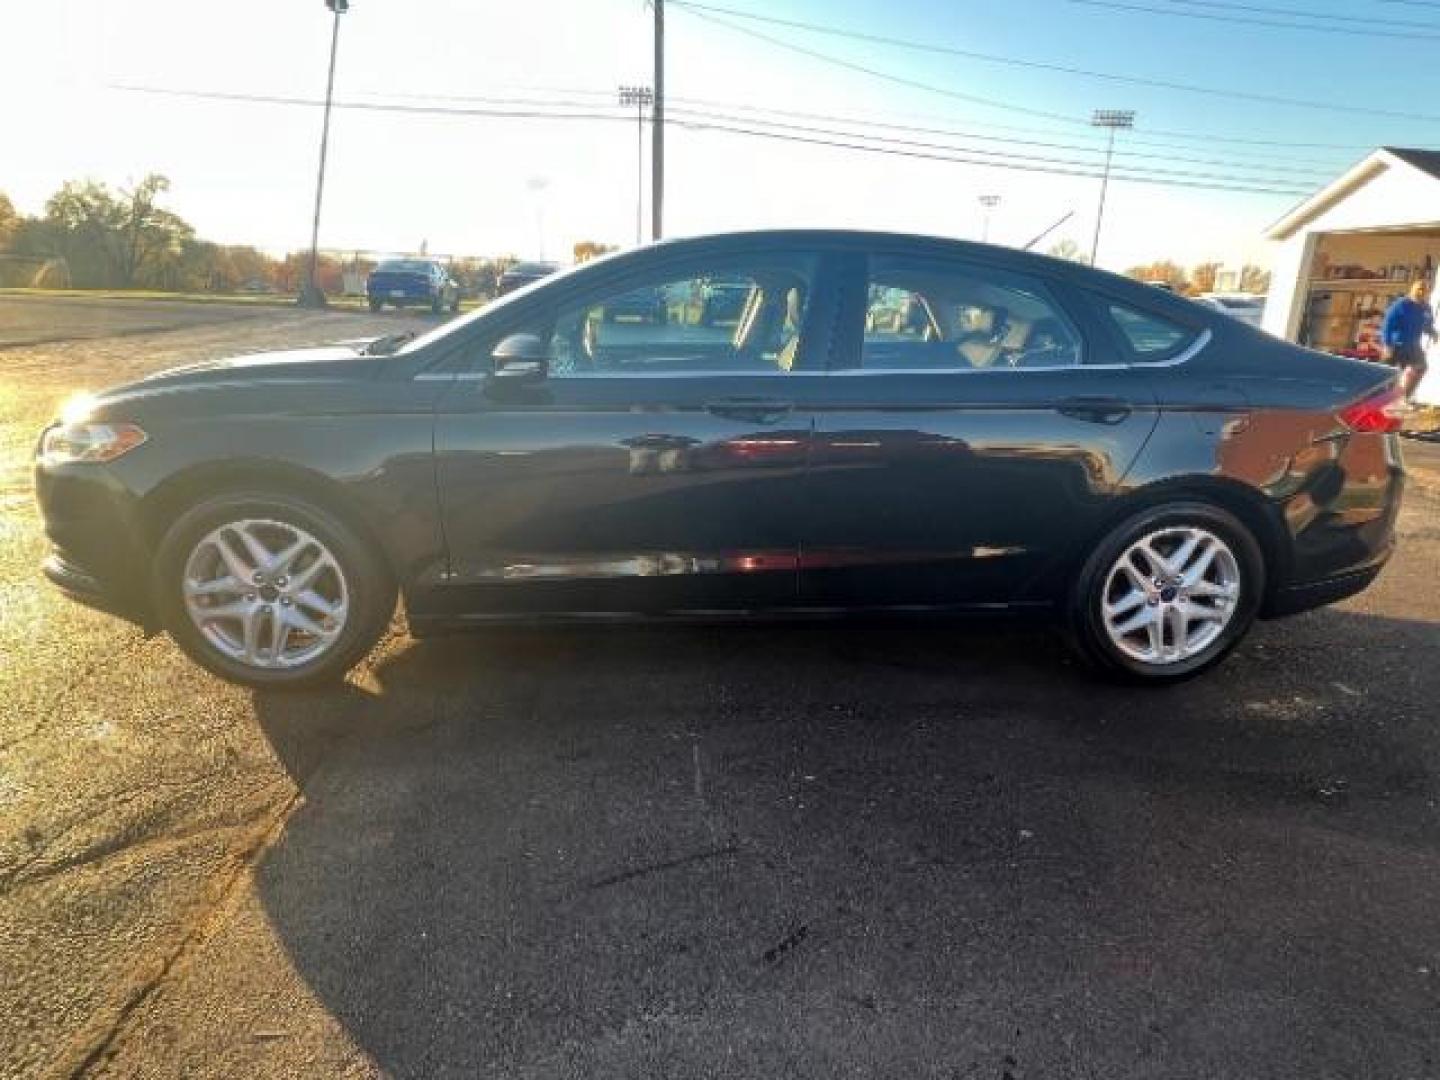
(125, 239)
(9, 221)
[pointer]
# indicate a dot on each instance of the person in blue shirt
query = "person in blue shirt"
(1407, 323)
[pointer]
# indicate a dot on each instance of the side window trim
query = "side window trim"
(857, 286)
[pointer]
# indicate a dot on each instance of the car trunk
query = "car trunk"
(409, 283)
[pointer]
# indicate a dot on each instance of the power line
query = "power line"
(863, 120)
(1054, 170)
(845, 140)
(1293, 166)
(1300, 13)
(811, 129)
(830, 58)
(1252, 21)
(1011, 61)
(887, 76)
(1182, 137)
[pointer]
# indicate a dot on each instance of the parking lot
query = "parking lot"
(861, 850)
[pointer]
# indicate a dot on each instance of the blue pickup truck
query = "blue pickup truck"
(412, 283)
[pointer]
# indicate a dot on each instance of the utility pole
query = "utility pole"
(312, 295)
(657, 128)
(989, 202)
(640, 97)
(1112, 120)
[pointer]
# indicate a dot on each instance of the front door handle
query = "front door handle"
(753, 410)
(1095, 410)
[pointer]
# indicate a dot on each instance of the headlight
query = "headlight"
(65, 444)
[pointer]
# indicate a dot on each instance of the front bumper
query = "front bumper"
(98, 553)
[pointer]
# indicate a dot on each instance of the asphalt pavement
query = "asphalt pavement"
(865, 850)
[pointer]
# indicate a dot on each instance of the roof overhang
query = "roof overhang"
(1378, 163)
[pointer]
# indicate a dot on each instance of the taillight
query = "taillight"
(1378, 413)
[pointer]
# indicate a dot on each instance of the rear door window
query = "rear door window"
(929, 315)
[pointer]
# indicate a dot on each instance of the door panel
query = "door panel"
(660, 465)
(623, 495)
(959, 489)
(971, 431)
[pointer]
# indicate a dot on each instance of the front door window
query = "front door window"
(735, 321)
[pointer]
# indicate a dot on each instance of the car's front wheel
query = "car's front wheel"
(272, 590)
(1167, 593)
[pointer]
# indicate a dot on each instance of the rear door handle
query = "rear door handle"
(1095, 410)
(754, 410)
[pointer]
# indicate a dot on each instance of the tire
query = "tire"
(356, 571)
(376, 303)
(1237, 566)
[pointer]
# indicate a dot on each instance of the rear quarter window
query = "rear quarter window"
(1151, 337)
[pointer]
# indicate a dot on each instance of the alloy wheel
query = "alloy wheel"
(1171, 595)
(265, 593)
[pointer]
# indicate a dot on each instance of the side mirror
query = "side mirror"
(520, 359)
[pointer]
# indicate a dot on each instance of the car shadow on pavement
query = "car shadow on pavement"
(868, 849)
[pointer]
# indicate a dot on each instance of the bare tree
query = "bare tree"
(1068, 249)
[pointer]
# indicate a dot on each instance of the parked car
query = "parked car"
(412, 283)
(1249, 308)
(1042, 437)
(521, 274)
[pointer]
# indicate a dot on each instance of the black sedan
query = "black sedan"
(1029, 436)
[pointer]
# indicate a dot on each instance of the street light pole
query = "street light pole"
(1112, 120)
(312, 295)
(657, 129)
(989, 202)
(640, 97)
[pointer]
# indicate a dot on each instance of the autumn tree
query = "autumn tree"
(586, 250)
(1254, 280)
(1163, 272)
(1202, 278)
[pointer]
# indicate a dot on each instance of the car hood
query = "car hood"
(342, 361)
(283, 365)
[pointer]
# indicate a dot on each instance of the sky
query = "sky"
(244, 171)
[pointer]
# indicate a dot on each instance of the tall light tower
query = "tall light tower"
(311, 295)
(989, 202)
(642, 97)
(1112, 120)
(657, 128)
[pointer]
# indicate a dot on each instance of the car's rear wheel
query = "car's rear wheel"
(272, 591)
(1168, 593)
